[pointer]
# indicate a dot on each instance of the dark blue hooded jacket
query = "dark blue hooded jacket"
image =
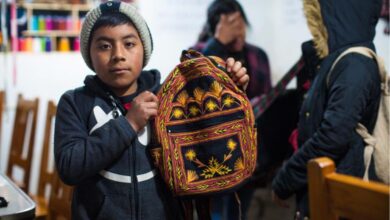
(331, 112)
(98, 152)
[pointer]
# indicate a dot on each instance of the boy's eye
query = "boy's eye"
(104, 46)
(129, 44)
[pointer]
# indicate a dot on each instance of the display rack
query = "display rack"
(73, 11)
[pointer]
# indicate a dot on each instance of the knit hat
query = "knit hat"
(113, 7)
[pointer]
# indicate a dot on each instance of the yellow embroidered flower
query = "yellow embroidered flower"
(239, 165)
(192, 176)
(198, 94)
(190, 155)
(216, 88)
(228, 101)
(214, 168)
(211, 105)
(182, 98)
(231, 144)
(177, 113)
(194, 110)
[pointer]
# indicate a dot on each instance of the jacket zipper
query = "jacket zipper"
(134, 200)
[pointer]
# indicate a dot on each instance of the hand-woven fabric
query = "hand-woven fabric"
(205, 126)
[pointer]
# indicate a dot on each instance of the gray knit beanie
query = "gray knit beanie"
(110, 7)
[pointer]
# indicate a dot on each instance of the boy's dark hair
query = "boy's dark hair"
(109, 20)
(219, 7)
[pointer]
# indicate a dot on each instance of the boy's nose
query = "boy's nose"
(118, 55)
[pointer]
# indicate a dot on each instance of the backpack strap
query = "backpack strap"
(366, 52)
(369, 139)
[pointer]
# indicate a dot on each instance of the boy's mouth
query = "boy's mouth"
(119, 70)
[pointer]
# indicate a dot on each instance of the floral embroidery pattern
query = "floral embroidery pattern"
(207, 101)
(186, 166)
(192, 176)
(213, 166)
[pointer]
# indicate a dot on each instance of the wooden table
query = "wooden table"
(20, 206)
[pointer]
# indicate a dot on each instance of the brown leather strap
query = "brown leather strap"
(203, 208)
(188, 209)
(238, 205)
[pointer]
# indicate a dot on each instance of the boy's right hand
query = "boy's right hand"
(143, 107)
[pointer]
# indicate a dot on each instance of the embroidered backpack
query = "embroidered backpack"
(205, 127)
(377, 143)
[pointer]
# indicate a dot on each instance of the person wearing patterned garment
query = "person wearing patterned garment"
(102, 131)
(224, 35)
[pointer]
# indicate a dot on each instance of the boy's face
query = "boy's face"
(117, 57)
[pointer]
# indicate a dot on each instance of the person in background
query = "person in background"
(224, 35)
(332, 109)
(102, 134)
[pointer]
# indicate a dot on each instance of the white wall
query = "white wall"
(278, 27)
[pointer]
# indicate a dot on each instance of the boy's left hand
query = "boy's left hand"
(237, 72)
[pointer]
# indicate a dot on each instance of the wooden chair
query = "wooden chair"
(334, 196)
(22, 142)
(49, 183)
(46, 176)
(2, 103)
(60, 200)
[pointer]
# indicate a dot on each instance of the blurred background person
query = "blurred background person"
(224, 35)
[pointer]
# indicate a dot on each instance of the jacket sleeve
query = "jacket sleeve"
(349, 93)
(80, 155)
(263, 66)
(215, 48)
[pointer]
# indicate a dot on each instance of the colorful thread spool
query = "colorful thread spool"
(76, 44)
(64, 45)
(41, 23)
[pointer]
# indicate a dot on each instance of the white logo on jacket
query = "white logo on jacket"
(143, 137)
(102, 118)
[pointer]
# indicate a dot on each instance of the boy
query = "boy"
(101, 134)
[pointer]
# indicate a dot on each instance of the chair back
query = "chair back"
(60, 200)
(22, 142)
(49, 185)
(2, 104)
(334, 196)
(47, 168)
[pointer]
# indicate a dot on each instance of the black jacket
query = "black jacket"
(331, 112)
(98, 151)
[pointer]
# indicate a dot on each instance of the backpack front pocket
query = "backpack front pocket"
(210, 154)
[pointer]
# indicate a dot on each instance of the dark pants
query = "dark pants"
(227, 208)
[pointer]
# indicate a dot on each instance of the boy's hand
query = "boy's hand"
(143, 107)
(237, 72)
